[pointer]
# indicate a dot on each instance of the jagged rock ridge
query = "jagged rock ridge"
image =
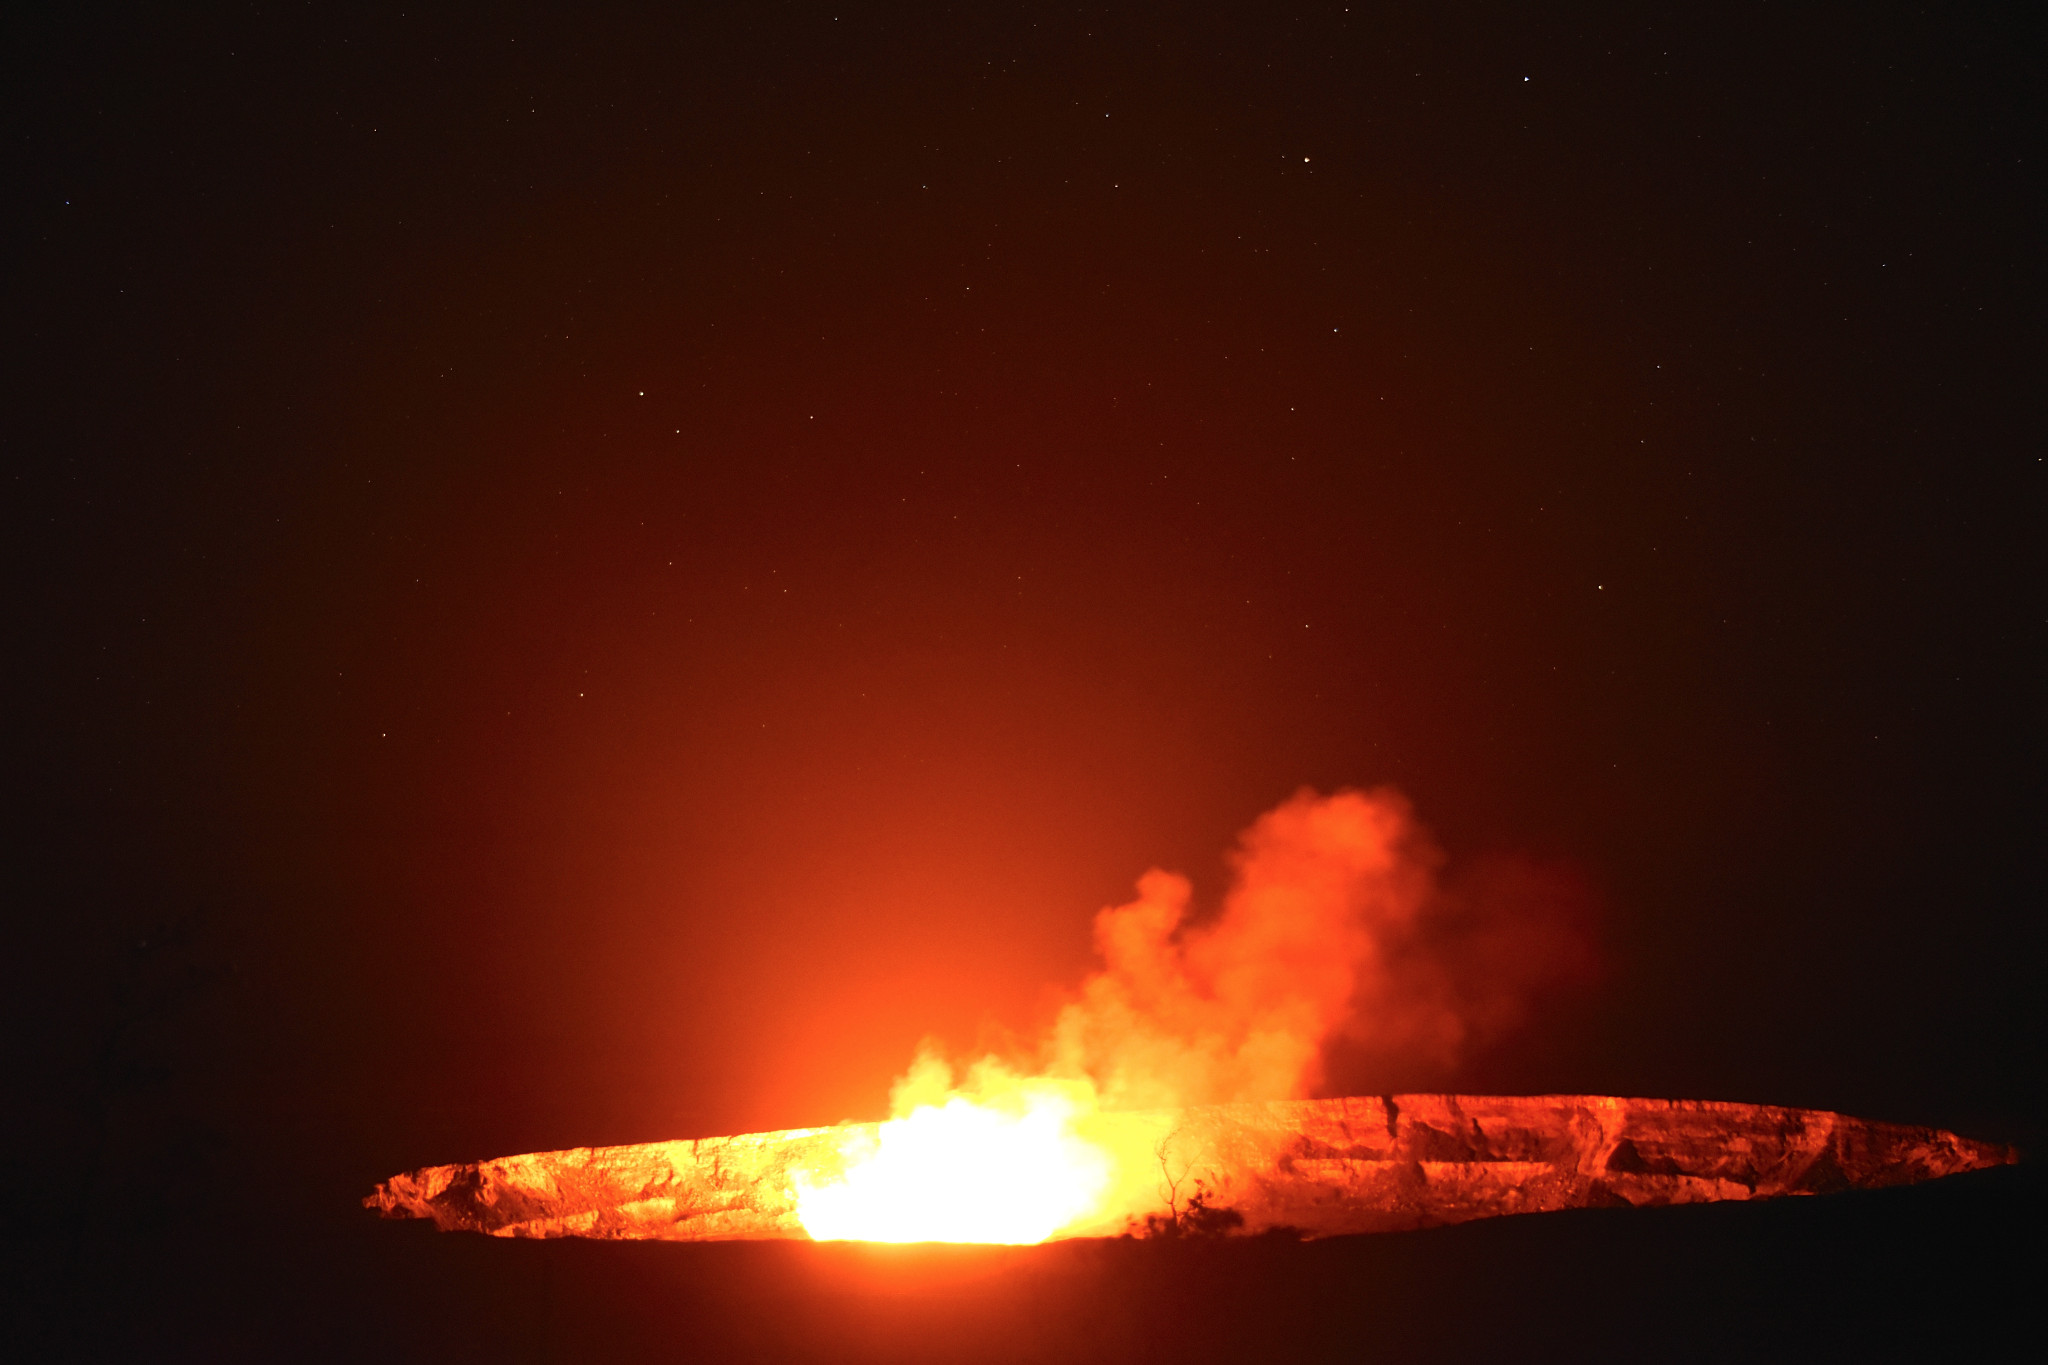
(1324, 1167)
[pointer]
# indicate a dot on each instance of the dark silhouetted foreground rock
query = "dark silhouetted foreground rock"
(1323, 1167)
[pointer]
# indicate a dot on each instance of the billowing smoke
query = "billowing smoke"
(1336, 933)
(1336, 930)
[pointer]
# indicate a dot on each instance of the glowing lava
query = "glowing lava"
(963, 1171)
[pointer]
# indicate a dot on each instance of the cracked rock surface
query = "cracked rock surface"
(1321, 1167)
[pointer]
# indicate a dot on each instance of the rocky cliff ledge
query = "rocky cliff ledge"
(1323, 1167)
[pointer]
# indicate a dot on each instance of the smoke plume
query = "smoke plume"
(1335, 927)
(1336, 931)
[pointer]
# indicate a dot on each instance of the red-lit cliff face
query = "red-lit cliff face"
(1320, 1167)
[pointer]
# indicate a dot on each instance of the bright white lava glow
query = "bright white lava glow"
(962, 1172)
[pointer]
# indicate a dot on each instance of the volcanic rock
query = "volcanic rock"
(1320, 1167)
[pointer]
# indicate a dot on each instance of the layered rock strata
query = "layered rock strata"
(1322, 1167)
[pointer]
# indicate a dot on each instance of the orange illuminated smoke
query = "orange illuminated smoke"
(1329, 928)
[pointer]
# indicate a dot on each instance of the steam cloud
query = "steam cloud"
(1337, 930)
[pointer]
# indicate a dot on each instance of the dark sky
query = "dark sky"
(586, 579)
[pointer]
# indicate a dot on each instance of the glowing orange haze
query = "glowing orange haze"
(1323, 934)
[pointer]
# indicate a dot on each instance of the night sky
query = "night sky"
(578, 579)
